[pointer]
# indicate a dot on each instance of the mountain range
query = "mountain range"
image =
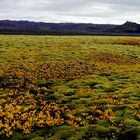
(28, 27)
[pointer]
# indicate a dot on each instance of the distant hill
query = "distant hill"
(28, 27)
(7, 26)
(128, 27)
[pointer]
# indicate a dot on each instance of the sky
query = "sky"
(73, 11)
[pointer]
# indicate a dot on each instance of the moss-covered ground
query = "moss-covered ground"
(69, 88)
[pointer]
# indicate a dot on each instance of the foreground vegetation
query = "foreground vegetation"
(69, 88)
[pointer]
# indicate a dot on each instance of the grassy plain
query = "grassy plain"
(69, 87)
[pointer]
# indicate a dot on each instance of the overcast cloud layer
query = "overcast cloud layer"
(84, 11)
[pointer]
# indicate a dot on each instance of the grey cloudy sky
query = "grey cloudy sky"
(84, 11)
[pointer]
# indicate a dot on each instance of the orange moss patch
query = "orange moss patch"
(112, 58)
(127, 41)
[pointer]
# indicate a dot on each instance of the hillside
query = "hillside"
(7, 26)
(128, 27)
(28, 27)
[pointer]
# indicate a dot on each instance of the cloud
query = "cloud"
(97, 11)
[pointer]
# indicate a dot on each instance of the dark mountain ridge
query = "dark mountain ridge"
(128, 27)
(29, 27)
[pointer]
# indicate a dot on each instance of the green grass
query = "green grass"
(84, 74)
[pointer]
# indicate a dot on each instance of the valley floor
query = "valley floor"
(69, 87)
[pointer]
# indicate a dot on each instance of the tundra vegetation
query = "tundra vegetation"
(69, 88)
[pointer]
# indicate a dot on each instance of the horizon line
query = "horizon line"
(64, 22)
